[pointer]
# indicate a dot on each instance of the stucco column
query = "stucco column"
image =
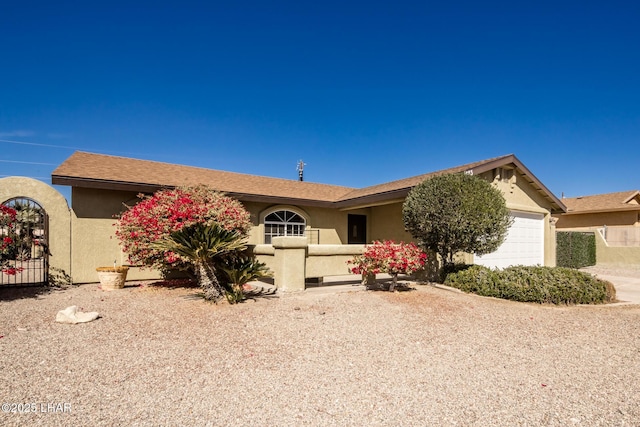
(290, 258)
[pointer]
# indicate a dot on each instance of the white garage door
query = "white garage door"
(524, 244)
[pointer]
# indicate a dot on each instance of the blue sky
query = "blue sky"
(363, 92)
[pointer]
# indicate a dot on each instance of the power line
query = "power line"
(28, 163)
(66, 147)
(40, 145)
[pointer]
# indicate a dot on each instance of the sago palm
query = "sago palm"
(241, 270)
(201, 245)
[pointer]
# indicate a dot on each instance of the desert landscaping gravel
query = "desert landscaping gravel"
(160, 356)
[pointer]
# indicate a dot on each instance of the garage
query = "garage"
(524, 244)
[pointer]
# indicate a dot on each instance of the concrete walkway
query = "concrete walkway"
(626, 280)
(627, 288)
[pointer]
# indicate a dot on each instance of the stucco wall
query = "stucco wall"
(93, 238)
(55, 205)
(616, 256)
(321, 260)
(95, 244)
(330, 260)
(597, 219)
(386, 223)
(331, 223)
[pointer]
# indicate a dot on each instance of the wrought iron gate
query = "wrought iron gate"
(24, 248)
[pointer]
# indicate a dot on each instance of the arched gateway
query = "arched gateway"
(35, 232)
(24, 252)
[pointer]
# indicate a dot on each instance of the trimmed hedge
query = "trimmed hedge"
(544, 285)
(575, 249)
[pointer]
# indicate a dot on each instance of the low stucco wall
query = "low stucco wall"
(320, 260)
(330, 260)
(616, 255)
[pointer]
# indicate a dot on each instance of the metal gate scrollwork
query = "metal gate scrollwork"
(24, 249)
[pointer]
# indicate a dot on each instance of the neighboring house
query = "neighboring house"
(615, 220)
(329, 217)
(611, 209)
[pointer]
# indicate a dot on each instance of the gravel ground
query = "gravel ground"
(160, 356)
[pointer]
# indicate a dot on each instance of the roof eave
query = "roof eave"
(542, 189)
(373, 199)
(138, 187)
(631, 197)
(369, 200)
(609, 210)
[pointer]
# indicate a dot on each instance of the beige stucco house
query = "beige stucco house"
(325, 224)
(614, 218)
(611, 209)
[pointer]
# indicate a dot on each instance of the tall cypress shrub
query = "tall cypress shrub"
(575, 249)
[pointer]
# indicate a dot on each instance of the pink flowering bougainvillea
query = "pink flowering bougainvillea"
(7, 238)
(388, 257)
(156, 216)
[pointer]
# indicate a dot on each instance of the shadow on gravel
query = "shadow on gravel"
(249, 295)
(171, 284)
(252, 292)
(11, 293)
(384, 286)
(260, 292)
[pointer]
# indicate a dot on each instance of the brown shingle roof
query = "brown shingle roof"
(625, 200)
(120, 173)
(400, 188)
(408, 183)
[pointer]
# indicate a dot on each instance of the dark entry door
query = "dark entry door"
(357, 229)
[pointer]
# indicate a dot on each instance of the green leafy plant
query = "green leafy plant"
(240, 270)
(456, 213)
(544, 285)
(202, 246)
(58, 278)
(575, 249)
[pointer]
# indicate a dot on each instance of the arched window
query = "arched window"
(283, 223)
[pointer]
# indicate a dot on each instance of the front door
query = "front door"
(357, 229)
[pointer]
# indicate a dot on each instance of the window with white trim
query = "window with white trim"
(283, 223)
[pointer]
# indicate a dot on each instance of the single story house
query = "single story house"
(331, 222)
(615, 220)
(611, 209)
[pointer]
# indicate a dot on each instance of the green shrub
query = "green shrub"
(454, 213)
(575, 249)
(544, 285)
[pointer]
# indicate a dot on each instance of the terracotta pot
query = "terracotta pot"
(112, 277)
